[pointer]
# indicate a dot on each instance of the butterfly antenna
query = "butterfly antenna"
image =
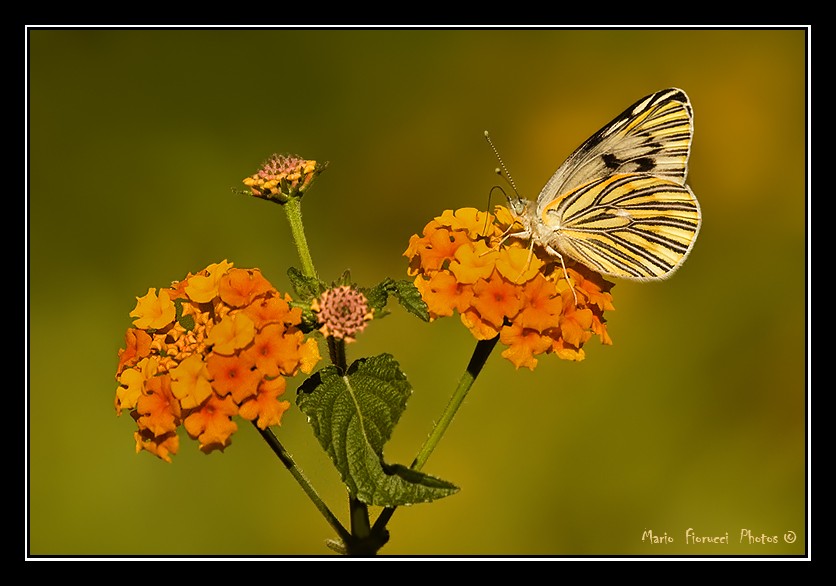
(487, 209)
(504, 171)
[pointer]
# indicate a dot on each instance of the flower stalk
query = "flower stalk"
(303, 481)
(477, 361)
(343, 313)
(336, 352)
(293, 210)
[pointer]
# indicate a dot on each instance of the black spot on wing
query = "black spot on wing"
(644, 164)
(637, 165)
(611, 161)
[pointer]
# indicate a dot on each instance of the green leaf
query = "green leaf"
(410, 298)
(308, 321)
(187, 321)
(353, 417)
(378, 295)
(404, 291)
(345, 279)
(306, 287)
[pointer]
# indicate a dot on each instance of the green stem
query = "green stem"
(359, 544)
(363, 541)
(293, 209)
(287, 460)
(336, 352)
(477, 361)
(359, 512)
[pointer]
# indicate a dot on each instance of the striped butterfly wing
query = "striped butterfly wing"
(633, 225)
(652, 136)
(619, 204)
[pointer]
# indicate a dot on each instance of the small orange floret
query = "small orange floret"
(265, 406)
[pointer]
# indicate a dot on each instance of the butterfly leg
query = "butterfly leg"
(508, 235)
(502, 240)
(527, 235)
(553, 252)
(528, 259)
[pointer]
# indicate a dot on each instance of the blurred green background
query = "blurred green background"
(694, 418)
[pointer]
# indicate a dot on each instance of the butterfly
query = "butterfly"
(619, 204)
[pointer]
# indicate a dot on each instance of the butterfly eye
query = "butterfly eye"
(517, 204)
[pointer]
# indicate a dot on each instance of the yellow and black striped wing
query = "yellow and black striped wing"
(632, 226)
(653, 137)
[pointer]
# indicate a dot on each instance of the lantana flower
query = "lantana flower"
(215, 345)
(342, 312)
(283, 176)
(464, 262)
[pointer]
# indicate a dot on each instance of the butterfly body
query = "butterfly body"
(619, 204)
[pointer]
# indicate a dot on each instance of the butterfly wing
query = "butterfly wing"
(619, 204)
(652, 136)
(632, 226)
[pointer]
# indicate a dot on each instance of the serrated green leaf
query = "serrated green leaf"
(410, 475)
(345, 279)
(378, 295)
(306, 288)
(410, 298)
(404, 291)
(353, 416)
(308, 321)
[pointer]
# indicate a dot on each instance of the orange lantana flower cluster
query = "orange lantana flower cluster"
(501, 287)
(214, 345)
